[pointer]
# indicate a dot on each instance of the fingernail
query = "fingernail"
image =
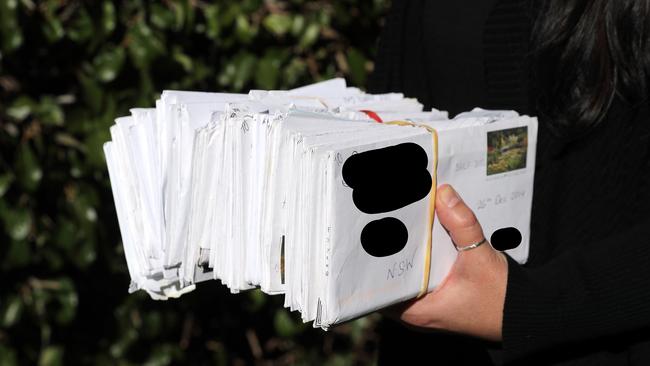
(449, 197)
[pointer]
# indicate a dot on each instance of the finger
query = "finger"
(395, 311)
(409, 314)
(457, 218)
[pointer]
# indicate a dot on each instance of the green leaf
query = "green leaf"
(65, 234)
(11, 36)
(284, 325)
(245, 66)
(93, 144)
(357, 64)
(107, 65)
(145, 45)
(21, 108)
(190, 14)
(49, 112)
(53, 258)
(278, 24)
(163, 355)
(91, 91)
(18, 255)
(53, 29)
(68, 301)
(297, 25)
(28, 170)
(81, 28)
(86, 254)
(213, 23)
(118, 348)
(153, 324)
(161, 16)
(339, 360)
(7, 356)
(227, 74)
(18, 223)
(51, 356)
(268, 71)
(244, 30)
(67, 140)
(324, 18)
(184, 60)
(108, 17)
(228, 16)
(178, 11)
(238, 72)
(294, 73)
(5, 182)
(358, 328)
(12, 311)
(257, 299)
(310, 35)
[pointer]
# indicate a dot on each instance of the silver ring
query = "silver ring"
(468, 247)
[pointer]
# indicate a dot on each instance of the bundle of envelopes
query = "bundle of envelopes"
(321, 193)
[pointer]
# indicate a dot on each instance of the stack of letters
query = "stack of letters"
(320, 193)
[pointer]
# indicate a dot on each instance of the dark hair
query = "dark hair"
(587, 52)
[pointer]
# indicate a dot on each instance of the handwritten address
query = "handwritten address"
(500, 199)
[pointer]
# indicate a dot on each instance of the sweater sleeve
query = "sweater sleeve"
(593, 290)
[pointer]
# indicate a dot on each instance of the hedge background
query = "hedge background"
(67, 69)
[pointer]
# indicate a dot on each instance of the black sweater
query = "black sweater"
(584, 295)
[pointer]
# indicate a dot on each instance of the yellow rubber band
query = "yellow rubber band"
(432, 202)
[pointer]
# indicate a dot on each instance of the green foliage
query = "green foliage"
(67, 69)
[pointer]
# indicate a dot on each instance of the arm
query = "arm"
(581, 295)
(594, 290)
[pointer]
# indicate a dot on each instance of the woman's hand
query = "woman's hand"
(470, 300)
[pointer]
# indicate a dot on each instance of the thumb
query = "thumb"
(457, 218)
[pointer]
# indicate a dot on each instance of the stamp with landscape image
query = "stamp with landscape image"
(506, 150)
